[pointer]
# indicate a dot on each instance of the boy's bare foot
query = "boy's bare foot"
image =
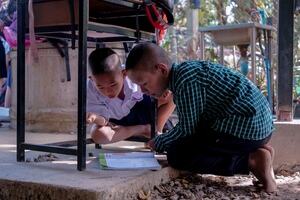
(272, 152)
(260, 163)
(270, 149)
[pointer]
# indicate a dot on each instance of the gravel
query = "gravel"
(196, 186)
(44, 158)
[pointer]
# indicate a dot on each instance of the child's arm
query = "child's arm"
(166, 107)
(115, 133)
(96, 119)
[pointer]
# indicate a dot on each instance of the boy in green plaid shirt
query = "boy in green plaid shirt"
(224, 123)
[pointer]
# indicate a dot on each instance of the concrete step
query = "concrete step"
(58, 179)
(125, 188)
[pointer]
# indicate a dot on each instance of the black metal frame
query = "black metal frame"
(58, 32)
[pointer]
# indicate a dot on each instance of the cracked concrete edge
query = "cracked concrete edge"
(129, 189)
(12, 190)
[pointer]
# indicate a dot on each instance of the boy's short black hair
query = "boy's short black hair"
(136, 55)
(146, 55)
(98, 61)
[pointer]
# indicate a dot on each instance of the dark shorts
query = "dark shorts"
(140, 114)
(3, 70)
(7, 83)
(208, 152)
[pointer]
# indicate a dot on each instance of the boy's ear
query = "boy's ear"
(163, 68)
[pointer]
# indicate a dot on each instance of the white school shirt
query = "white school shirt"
(114, 108)
(6, 45)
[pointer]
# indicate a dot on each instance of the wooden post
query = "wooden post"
(202, 46)
(173, 44)
(222, 54)
(192, 31)
(285, 60)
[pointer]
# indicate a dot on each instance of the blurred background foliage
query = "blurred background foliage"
(183, 43)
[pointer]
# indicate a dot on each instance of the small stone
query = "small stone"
(174, 197)
(176, 183)
(200, 187)
(296, 174)
(264, 194)
(171, 183)
(210, 190)
(255, 195)
(201, 194)
(225, 198)
(160, 189)
(144, 195)
(184, 181)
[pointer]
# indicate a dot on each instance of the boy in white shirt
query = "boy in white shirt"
(116, 106)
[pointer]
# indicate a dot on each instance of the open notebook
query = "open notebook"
(128, 161)
(4, 114)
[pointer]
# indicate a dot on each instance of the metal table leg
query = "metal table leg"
(82, 73)
(21, 6)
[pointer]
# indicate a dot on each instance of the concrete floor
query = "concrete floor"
(59, 179)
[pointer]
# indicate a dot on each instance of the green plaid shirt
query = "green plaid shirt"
(210, 93)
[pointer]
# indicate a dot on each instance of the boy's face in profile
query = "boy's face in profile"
(153, 83)
(110, 84)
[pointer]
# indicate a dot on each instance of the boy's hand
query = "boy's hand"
(90, 118)
(96, 119)
(165, 97)
(150, 144)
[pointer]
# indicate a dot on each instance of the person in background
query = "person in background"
(5, 73)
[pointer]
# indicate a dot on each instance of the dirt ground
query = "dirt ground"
(194, 187)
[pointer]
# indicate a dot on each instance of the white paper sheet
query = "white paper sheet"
(128, 160)
(4, 114)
